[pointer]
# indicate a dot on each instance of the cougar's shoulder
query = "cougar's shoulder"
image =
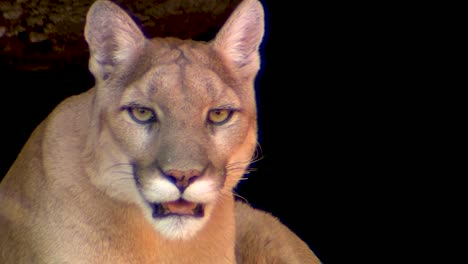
(261, 238)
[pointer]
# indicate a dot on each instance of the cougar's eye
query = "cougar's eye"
(142, 115)
(219, 116)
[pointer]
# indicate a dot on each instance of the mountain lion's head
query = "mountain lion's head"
(175, 119)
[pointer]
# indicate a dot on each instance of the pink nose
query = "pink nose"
(182, 179)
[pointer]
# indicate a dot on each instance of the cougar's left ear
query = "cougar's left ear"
(239, 38)
(113, 38)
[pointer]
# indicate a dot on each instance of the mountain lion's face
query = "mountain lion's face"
(186, 133)
(177, 119)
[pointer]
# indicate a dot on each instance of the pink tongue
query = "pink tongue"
(180, 207)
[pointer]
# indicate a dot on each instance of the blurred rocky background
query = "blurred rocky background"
(48, 34)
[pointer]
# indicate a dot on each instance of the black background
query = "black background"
(317, 147)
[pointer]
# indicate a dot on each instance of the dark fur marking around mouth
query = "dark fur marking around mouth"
(158, 210)
(134, 170)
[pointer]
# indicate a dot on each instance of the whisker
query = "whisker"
(123, 172)
(240, 197)
(258, 154)
(119, 164)
(226, 192)
(125, 178)
(239, 165)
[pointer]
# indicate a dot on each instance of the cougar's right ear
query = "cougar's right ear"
(239, 38)
(114, 39)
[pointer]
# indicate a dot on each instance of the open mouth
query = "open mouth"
(180, 207)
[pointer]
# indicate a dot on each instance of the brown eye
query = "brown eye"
(219, 116)
(142, 115)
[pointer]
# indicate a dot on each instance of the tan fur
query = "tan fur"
(83, 188)
(263, 239)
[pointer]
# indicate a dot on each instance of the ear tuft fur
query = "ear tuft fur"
(113, 37)
(240, 37)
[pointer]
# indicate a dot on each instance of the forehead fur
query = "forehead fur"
(189, 52)
(162, 52)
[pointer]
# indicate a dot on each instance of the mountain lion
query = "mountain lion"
(141, 168)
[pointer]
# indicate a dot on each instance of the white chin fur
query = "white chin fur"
(179, 227)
